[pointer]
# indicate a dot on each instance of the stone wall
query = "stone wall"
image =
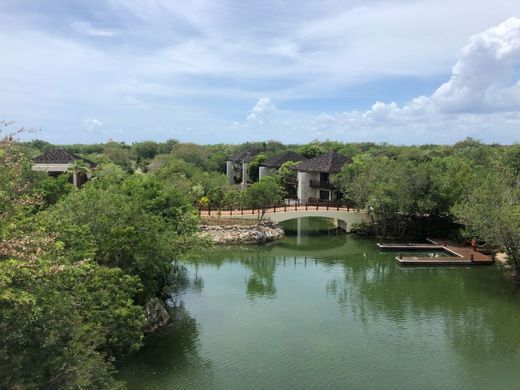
(265, 232)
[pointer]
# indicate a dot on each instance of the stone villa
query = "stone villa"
(312, 182)
(314, 177)
(58, 161)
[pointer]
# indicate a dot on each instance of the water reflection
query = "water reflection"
(175, 348)
(340, 314)
(261, 282)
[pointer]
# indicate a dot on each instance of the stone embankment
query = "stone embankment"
(236, 234)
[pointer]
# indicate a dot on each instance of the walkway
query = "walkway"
(462, 255)
(345, 215)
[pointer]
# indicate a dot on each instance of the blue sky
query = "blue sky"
(208, 71)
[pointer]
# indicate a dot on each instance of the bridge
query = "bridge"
(345, 216)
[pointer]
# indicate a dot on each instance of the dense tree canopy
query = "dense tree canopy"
(77, 265)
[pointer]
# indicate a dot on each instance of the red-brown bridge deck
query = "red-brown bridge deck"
(277, 209)
(463, 255)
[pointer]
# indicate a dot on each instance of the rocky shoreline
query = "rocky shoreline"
(236, 234)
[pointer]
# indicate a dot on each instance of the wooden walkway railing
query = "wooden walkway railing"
(282, 207)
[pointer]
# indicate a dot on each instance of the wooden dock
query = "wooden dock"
(461, 255)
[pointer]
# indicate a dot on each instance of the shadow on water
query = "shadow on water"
(174, 348)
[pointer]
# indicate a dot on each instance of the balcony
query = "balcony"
(321, 184)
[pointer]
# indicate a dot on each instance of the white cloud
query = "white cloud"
(486, 75)
(485, 78)
(194, 67)
(86, 28)
(261, 112)
(91, 124)
(481, 99)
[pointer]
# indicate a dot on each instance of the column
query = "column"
(230, 172)
(245, 176)
(262, 171)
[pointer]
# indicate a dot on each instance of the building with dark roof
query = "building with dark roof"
(280, 159)
(277, 161)
(245, 156)
(237, 166)
(58, 161)
(314, 177)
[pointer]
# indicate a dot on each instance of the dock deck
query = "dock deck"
(462, 255)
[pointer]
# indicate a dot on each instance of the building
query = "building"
(237, 167)
(274, 163)
(58, 161)
(314, 177)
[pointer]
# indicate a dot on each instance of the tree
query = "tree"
(254, 165)
(144, 151)
(135, 233)
(191, 153)
(311, 150)
(119, 154)
(264, 193)
(491, 210)
(63, 323)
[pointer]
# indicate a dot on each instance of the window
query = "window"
(324, 195)
(324, 177)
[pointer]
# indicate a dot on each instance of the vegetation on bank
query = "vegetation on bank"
(77, 266)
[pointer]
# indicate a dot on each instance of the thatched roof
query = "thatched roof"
(331, 162)
(278, 160)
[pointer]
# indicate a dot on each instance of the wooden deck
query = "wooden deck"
(462, 255)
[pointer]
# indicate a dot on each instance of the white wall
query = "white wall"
(304, 188)
(245, 176)
(262, 171)
(230, 172)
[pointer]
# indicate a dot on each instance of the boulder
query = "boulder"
(156, 315)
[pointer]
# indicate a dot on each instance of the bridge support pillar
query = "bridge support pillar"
(342, 225)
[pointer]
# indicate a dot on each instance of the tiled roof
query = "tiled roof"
(331, 162)
(277, 161)
(60, 156)
(245, 156)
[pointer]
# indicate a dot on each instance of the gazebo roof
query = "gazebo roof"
(330, 162)
(278, 160)
(61, 156)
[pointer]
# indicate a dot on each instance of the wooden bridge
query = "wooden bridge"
(346, 216)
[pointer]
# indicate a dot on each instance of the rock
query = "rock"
(156, 315)
(236, 234)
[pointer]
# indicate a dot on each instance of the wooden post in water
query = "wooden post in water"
(401, 255)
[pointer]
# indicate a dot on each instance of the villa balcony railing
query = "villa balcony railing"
(321, 184)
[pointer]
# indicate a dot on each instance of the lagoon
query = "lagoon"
(324, 310)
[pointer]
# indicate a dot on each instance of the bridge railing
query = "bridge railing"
(288, 205)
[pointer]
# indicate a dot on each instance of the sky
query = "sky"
(211, 71)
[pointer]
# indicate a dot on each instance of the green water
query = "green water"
(324, 311)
